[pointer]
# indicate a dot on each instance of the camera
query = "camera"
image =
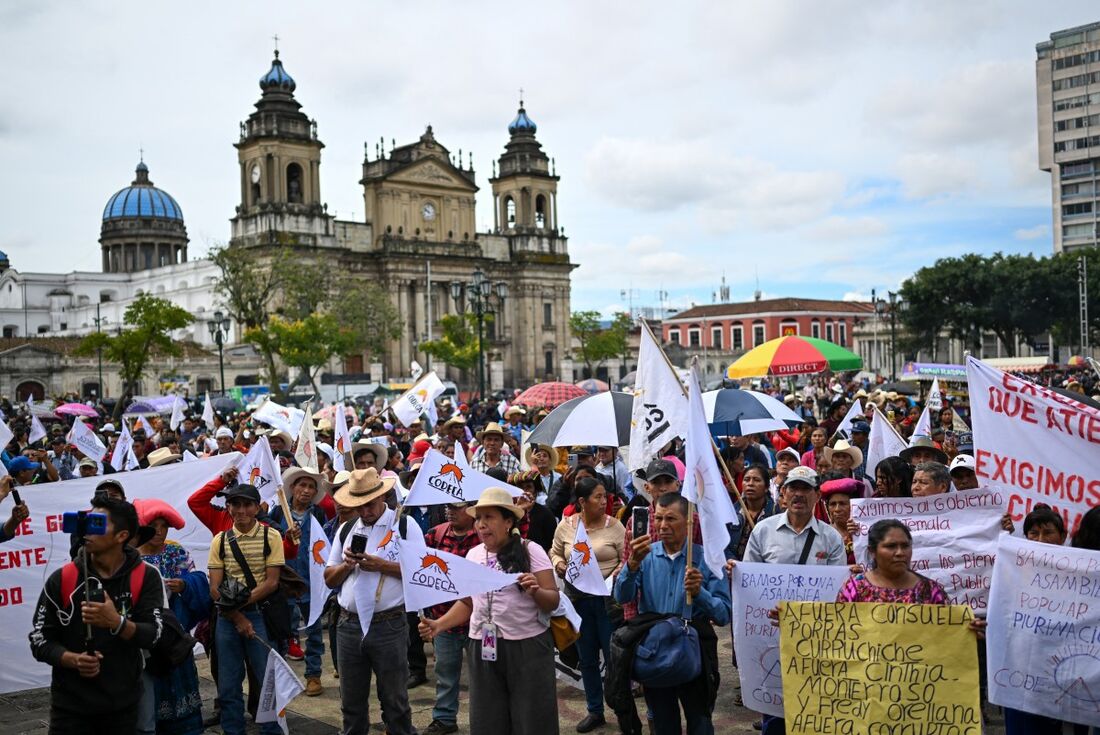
(84, 523)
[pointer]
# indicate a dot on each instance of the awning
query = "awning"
(932, 370)
(1019, 364)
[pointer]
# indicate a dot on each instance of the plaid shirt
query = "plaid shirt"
(440, 537)
(507, 462)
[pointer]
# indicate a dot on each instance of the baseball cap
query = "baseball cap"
(104, 484)
(89, 462)
(223, 431)
(242, 491)
(791, 451)
(660, 468)
(108, 428)
(861, 427)
(801, 474)
(584, 450)
(962, 462)
(22, 464)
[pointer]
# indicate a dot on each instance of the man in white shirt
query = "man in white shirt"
(363, 566)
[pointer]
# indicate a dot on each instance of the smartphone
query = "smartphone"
(358, 543)
(15, 495)
(572, 461)
(95, 591)
(640, 521)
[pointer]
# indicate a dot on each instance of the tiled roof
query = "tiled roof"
(768, 306)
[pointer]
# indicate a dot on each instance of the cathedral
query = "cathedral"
(417, 239)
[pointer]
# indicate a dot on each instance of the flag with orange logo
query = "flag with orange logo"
(430, 577)
(341, 438)
(583, 571)
(281, 685)
(319, 548)
(416, 401)
(260, 470)
(442, 480)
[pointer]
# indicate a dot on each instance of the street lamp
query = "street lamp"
(485, 298)
(897, 304)
(99, 321)
(219, 332)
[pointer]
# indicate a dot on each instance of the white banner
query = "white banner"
(1040, 446)
(83, 438)
(283, 418)
(305, 451)
(178, 406)
(855, 413)
(40, 547)
(1044, 630)
(416, 401)
(123, 457)
(660, 412)
(583, 571)
(341, 437)
(954, 537)
(757, 589)
(430, 577)
(37, 432)
(883, 442)
(319, 548)
(208, 414)
(935, 398)
(280, 686)
(442, 480)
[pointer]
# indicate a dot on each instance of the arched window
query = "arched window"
(294, 183)
(540, 211)
(510, 211)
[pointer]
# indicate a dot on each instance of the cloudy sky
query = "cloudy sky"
(824, 148)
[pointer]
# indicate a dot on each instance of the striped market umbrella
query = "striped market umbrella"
(602, 420)
(793, 356)
(736, 412)
(549, 395)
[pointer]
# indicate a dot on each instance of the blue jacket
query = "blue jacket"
(661, 581)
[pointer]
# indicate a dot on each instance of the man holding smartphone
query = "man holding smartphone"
(18, 514)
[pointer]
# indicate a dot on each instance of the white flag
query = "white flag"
(341, 439)
(583, 571)
(281, 685)
(430, 577)
(319, 548)
(305, 452)
(260, 470)
(123, 457)
(502, 408)
(414, 402)
(6, 435)
(442, 480)
(178, 405)
(883, 442)
(143, 423)
(924, 423)
(208, 413)
(855, 413)
(660, 408)
(283, 418)
(703, 482)
(83, 438)
(935, 397)
(416, 370)
(38, 431)
(189, 456)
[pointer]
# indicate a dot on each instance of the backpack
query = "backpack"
(175, 643)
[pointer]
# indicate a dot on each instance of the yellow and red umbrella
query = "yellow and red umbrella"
(793, 356)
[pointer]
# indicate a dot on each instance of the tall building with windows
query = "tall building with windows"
(1067, 81)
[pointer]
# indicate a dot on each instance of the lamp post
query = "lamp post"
(897, 304)
(484, 298)
(219, 332)
(99, 352)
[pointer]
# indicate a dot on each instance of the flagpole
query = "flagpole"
(291, 524)
(717, 454)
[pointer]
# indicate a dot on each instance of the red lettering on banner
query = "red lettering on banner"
(24, 528)
(23, 558)
(1054, 483)
(12, 596)
(1075, 420)
(53, 523)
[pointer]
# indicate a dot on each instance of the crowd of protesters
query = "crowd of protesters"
(793, 487)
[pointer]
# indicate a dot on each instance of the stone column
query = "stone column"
(496, 375)
(566, 369)
(376, 375)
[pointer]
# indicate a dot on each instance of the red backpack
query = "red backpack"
(71, 572)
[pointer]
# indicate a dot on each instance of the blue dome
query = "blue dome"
(522, 123)
(142, 199)
(277, 77)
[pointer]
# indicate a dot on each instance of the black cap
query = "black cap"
(660, 468)
(101, 488)
(584, 450)
(246, 492)
(861, 427)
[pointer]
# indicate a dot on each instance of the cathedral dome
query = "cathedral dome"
(142, 200)
(522, 123)
(277, 78)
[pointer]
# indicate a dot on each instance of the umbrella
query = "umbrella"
(141, 408)
(905, 388)
(602, 419)
(793, 356)
(1077, 397)
(550, 395)
(737, 412)
(593, 386)
(627, 381)
(1077, 362)
(225, 404)
(77, 409)
(329, 412)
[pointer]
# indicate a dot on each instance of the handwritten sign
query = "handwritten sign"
(1043, 639)
(869, 668)
(954, 537)
(1041, 446)
(757, 589)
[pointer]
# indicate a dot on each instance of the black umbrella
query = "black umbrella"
(1077, 397)
(224, 404)
(905, 388)
(602, 420)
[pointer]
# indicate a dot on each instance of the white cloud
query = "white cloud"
(929, 175)
(1032, 233)
(855, 296)
(839, 227)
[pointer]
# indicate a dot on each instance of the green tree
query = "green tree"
(307, 344)
(598, 343)
(1065, 299)
(368, 313)
(458, 346)
(150, 322)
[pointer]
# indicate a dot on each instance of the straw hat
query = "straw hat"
(164, 455)
(288, 440)
(293, 474)
(339, 480)
(494, 497)
(923, 442)
(529, 453)
(491, 428)
(362, 487)
(843, 447)
(458, 420)
(381, 454)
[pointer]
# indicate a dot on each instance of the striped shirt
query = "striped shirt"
(252, 548)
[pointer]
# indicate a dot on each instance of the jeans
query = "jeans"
(314, 634)
(595, 639)
(664, 703)
(381, 653)
(1018, 722)
(418, 660)
(147, 707)
(64, 722)
(448, 673)
(233, 649)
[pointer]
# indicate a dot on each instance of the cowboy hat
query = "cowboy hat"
(164, 455)
(380, 454)
(529, 453)
(323, 425)
(339, 480)
(293, 474)
(458, 420)
(923, 442)
(288, 440)
(514, 409)
(490, 428)
(843, 447)
(362, 487)
(495, 497)
(407, 477)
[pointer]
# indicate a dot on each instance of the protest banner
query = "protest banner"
(954, 537)
(1040, 446)
(319, 548)
(443, 480)
(883, 442)
(660, 411)
(414, 402)
(756, 590)
(431, 577)
(260, 469)
(40, 547)
(283, 418)
(83, 438)
(870, 668)
(1043, 638)
(582, 570)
